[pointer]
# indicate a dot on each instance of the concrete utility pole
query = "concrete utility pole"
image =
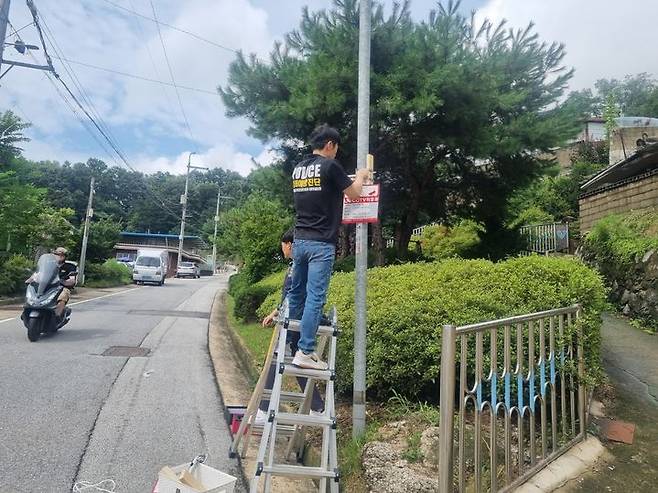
(183, 200)
(4, 19)
(214, 237)
(85, 236)
(363, 127)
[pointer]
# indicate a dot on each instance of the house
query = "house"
(193, 247)
(627, 185)
(593, 131)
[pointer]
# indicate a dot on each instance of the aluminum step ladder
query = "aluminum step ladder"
(299, 400)
(326, 473)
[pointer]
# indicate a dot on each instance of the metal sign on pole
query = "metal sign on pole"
(363, 127)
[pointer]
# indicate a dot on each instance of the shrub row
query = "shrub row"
(408, 304)
(13, 272)
(249, 297)
(109, 273)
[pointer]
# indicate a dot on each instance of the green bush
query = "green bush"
(13, 273)
(440, 242)
(408, 304)
(616, 241)
(109, 273)
(248, 298)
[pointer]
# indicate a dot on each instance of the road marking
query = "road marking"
(83, 301)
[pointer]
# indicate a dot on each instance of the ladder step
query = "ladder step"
(296, 371)
(304, 419)
(285, 396)
(258, 429)
(299, 471)
(326, 330)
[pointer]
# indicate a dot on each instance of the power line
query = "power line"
(160, 23)
(171, 74)
(134, 76)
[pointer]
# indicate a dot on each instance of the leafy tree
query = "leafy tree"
(11, 134)
(458, 109)
(103, 235)
(253, 231)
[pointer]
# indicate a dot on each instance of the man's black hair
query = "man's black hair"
(288, 236)
(323, 134)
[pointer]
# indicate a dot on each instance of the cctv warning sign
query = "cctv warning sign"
(365, 209)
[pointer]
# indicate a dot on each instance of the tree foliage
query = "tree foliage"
(458, 109)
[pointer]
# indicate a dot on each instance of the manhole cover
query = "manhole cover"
(126, 351)
(170, 313)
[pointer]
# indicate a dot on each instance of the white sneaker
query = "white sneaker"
(261, 417)
(317, 414)
(309, 361)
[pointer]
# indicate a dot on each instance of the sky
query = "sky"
(603, 38)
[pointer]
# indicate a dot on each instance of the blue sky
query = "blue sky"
(145, 118)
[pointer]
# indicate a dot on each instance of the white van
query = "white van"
(151, 266)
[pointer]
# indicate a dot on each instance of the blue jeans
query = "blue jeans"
(312, 263)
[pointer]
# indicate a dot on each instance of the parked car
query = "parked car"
(188, 269)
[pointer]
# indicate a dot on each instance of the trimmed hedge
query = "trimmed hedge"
(249, 297)
(408, 304)
(13, 273)
(109, 273)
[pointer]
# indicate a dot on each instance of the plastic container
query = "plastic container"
(214, 481)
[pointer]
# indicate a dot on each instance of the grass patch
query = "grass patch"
(349, 457)
(253, 335)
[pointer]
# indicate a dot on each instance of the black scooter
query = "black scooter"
(41, 300)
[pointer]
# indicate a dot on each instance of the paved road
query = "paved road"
(69, 414)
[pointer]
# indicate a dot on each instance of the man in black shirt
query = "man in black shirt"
(318, 184)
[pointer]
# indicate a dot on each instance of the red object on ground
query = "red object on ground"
(617, 431)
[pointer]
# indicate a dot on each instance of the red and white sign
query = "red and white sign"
(365, 209)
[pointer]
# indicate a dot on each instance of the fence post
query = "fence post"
(447, 402)
(582, 392)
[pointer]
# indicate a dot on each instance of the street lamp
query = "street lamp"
(183, 200)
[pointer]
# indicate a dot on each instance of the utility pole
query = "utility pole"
(214, 237)
(4, 20)
(183, 200)
(363, 127)
(85, 236)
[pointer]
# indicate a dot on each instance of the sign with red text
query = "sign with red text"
(365, 209)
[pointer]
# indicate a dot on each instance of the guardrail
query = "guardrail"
(544, 238)
(527, 410)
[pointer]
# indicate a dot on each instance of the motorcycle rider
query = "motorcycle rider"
(68, 277)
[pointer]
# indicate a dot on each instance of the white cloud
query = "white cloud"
(145, 118)
(603, 38)
(219, 156)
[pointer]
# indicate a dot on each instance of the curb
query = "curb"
(578, 460)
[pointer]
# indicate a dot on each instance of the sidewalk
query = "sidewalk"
(630, 357)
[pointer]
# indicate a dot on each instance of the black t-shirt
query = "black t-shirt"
(67, 270)
(317, 185)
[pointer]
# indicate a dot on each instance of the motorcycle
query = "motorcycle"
(41, 299)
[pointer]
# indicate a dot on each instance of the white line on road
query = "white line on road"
(83, 301)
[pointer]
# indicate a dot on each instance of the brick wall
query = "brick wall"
(642, 194)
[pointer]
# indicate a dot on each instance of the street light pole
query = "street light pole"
(363, 127)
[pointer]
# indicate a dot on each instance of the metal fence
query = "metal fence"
(525, 411)
(544, 238)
